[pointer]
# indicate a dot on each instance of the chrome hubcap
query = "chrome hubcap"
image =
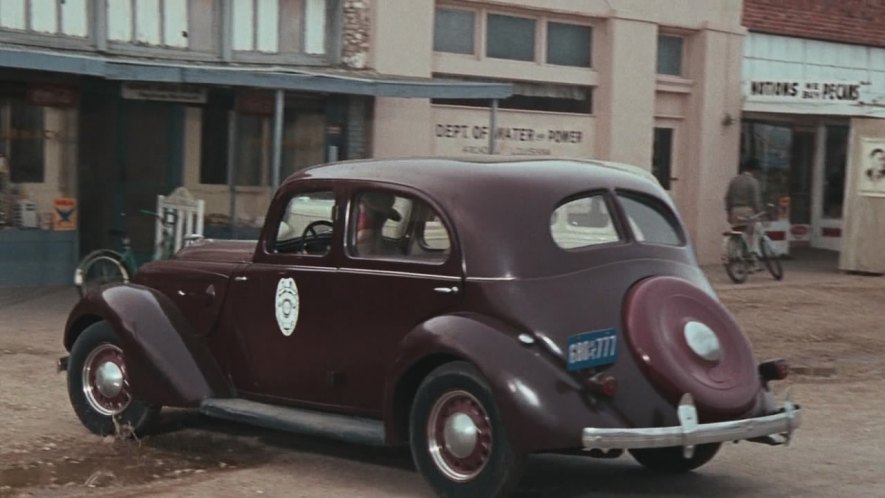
(104, 380)
(702, 341)
(109, 379)
(459, 435)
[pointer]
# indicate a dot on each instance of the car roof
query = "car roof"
(497, 204)
(425, 172)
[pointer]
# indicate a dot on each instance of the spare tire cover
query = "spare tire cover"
(720, 373)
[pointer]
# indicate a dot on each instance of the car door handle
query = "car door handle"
(446, 290)
(240, 278)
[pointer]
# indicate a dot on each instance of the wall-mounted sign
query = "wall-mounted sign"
(463, 131)
(64, 214)
(255, 103)
(52, 95)
(804, 91)
(871, 176)
(164, 92)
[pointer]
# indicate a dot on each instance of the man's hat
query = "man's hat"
(381, 202)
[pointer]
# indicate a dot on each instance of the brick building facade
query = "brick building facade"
(857, 22)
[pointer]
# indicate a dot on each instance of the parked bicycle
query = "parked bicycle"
(742, 252)
(104, 266)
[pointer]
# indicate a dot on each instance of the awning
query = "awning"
(275, 77)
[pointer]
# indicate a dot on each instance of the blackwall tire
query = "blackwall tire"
(98, 386)
(672, 460)
(456, 436)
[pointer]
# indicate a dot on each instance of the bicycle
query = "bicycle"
(741, 257)
(104, 266)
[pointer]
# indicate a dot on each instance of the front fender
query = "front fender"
(166, 363)
(543, 408)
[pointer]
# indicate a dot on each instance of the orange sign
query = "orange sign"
(64, 214)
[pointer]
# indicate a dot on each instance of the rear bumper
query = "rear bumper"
(772, 429)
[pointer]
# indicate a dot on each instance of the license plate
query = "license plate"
(592, 349)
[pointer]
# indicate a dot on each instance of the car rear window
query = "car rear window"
(583, 222)
(650, 220)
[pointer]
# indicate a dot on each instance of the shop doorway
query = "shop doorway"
(131, 151)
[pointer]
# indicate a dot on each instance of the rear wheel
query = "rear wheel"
(770, 259)
(736, 265)
(99, 268)
(457, 439)
(98, 385)
(672, 459)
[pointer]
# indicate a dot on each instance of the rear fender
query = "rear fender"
(167, 364)
(543, 407)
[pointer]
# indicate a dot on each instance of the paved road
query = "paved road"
(44, 451)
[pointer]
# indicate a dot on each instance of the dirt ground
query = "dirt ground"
(829, 325)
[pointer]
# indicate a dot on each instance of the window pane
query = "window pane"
(583, 222)
(304, 141)
(243, 26)
(670, 55)
(251, 147)
(306, 226)
(510, 37)
(834, 171)
(395, 227)
(651, 220)
(568, 44)
(771, 146)
(213, 145)
(453, 31)
(25, 143)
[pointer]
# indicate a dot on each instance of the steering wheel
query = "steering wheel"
(310, 231)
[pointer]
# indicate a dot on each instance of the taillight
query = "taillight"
(774, 369)
(603, 384)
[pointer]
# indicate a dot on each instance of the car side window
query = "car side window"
(651, 221)
(306, 226)
(582, 222)
(390, 226)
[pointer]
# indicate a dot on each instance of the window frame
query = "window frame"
(683, 52)
(541, 40)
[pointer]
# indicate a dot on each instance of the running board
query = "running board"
(313, 423)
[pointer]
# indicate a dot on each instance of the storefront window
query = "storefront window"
(303, 144)
(22, 138)
(771, 146)
(834, 171)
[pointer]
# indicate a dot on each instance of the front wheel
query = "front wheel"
(672, 460)
(736, 265)
(98, 385)
(99, 268)
(770, 259)
(458, 441)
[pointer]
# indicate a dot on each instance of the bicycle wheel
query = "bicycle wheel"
(99, 268)
(736, 265)
(772, 262)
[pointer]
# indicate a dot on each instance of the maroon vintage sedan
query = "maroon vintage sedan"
(477, 311)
